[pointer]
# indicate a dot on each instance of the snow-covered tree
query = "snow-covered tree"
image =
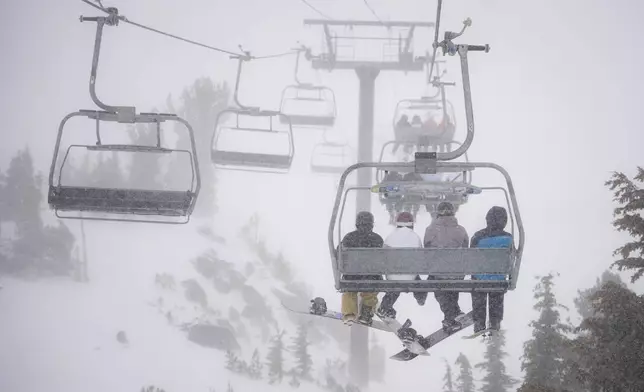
(300, 349)
(496, 379)
(255, 369)
(465, 379)
(276, 359)
(543, 355)
(449, 383)
(610, 349)
(628, 218)
(583, 303)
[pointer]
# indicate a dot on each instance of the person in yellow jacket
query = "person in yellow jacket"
(362, 237)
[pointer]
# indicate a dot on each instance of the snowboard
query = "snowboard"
(489, 332)
(466, 321)
(319, 309)
(410, 344)
(376, 324)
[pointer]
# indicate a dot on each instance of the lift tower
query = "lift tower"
(377, 53)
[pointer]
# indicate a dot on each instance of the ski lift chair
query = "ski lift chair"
(237, 146)
(425, 261)
(425, 189)
(308, 105)
(122, 204)
(331, 157)
(425, 109)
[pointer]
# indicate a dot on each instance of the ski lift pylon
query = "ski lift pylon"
(425, 261)
(255, 140)
(121, 204)
(307, 104)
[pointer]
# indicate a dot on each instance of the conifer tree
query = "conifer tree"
(465, 379)
(449, 383)
(496, 379)
(582, 302)
(628, 218)
(300, 349)
(609, 352)
(231, 361)
(255, 370)
(276, 360)
(543, 355)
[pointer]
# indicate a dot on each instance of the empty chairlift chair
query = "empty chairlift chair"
(331, 157)
(123, 201)
(308, 105)
(118, 202)
(435, 262)
(250, 139)
(305, 104)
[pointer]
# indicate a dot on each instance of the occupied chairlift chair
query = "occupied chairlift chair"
(307, 104)
(430, 261)
(109, 203)
(258, 138)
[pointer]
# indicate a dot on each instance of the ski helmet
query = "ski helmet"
(445, 208)
(405, 219)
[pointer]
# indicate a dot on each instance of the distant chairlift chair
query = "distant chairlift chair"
(260, 147)
(306, 104)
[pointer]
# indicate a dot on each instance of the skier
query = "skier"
(362, 237)
(493, 236)
(403, 236)
(445, 232)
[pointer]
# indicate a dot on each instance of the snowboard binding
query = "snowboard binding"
(318, 306)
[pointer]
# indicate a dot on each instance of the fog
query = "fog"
(556, 103)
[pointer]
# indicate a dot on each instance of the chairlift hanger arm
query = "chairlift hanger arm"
(125, 113)
(449, 47)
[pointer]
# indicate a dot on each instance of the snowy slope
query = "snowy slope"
(60, 335)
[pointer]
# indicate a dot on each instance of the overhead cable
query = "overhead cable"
(322, 14)
(234, 54)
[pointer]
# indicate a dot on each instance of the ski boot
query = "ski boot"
(318, 306)
(408, 335)
(366, 315)
(386, 312)
(451, 326)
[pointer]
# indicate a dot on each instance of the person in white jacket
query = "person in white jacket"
(403, 236)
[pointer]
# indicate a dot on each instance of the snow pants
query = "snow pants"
(480, 302)
(350, 302)
(448, 301)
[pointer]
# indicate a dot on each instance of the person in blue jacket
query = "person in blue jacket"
(493, 236)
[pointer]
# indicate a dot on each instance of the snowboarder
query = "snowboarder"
(403, 236)
(445, 232)
(493, 236)
(362, 237)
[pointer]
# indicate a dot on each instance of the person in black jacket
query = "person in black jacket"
(362, 237)
(493, 236)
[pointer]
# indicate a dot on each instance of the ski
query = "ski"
(465, 320)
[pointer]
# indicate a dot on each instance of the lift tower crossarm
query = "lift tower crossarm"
(367, 23)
